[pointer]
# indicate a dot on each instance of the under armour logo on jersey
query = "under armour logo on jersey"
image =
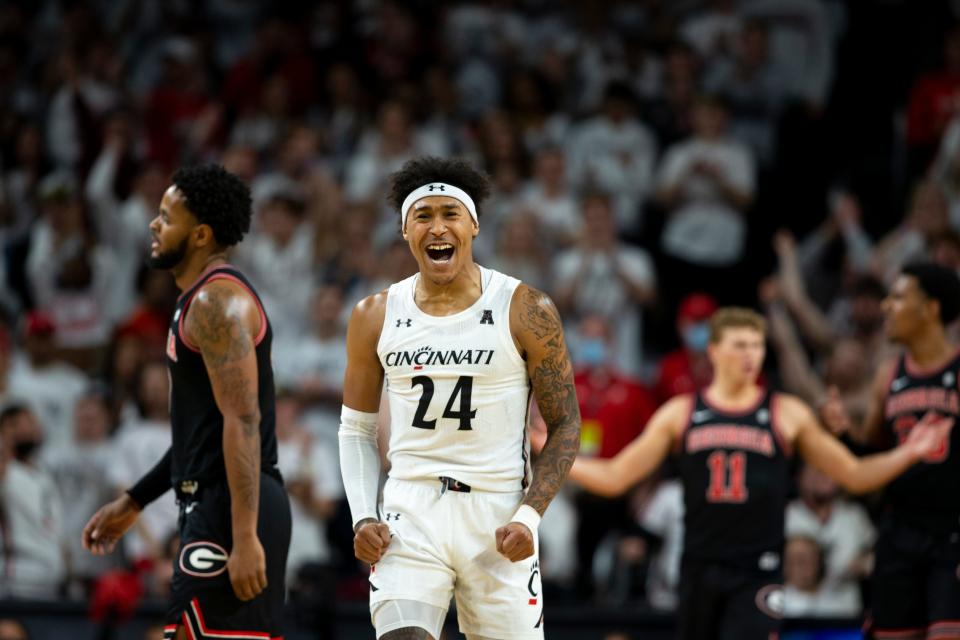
(763, 416)
(487, 317)
(404, 323)
(949, 379)
(392, 516)
(438, 187)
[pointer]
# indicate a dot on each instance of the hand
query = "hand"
(768, 291)
(370, 541)
(108, 525)
(928, 437)
(833, 413)
(247, 567)
(784, 243)
(515, 541)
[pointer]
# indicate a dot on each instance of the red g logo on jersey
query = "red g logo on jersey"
(203, 559)
(171, 345)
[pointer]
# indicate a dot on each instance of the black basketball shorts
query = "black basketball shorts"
(202, 599)
(916, 583)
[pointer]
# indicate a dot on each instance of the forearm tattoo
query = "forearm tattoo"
(551, 374)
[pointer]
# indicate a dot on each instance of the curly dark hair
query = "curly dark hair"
(420, 171)
(940, 283)
(217, 198)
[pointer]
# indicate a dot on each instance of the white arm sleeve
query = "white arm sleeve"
(359, 462)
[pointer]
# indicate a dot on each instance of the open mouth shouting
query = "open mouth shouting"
(440, 253)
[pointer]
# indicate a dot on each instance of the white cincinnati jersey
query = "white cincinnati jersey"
(458, 389)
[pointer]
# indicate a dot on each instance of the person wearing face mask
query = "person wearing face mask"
(31, 511)
(688, 369)
(613, 409)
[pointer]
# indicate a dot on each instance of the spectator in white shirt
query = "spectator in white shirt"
(603, 276)
(706, 184)
(615, 152)
(33, 563)
(841, 527)
(806, 594)
(81, 473)
(311, 367)
(139, 446)
(312, 478)
(521, 250)
(551, 198)
(279, 256)
(71, 277)
(49, 386)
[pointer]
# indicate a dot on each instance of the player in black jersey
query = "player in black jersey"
(234, 515)
(916, 583)
(734, 441)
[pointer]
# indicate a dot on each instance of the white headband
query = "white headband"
(438, 189)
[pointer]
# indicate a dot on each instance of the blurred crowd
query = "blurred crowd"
(650, 161)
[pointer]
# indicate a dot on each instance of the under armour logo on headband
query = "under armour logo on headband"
(448, 191)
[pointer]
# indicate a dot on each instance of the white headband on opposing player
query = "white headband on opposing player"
(438, 189)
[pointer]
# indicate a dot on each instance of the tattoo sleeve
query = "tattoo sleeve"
(215, 323)
(551, 374)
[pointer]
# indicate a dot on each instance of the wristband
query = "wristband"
(527, 516)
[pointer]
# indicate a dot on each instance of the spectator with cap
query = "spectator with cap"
(50, 386)
(688, 369)
(32, 512)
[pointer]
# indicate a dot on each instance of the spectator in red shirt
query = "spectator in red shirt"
(687, 369)
(614, 409)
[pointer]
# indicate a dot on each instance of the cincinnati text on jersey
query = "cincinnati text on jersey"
(427, 356)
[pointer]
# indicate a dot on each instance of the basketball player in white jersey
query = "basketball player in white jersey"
(461, 347)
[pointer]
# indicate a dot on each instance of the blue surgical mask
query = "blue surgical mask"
(697, 337)
(591, 352)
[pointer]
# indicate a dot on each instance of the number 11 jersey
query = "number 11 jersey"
(735, 470)
(458, 389)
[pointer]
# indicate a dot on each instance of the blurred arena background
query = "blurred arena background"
(651, 159)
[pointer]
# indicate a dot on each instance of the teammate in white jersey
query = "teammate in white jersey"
(461, 348)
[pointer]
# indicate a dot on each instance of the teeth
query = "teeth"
(440, 246)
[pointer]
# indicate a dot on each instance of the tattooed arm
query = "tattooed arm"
(222, 321)
(536, 328)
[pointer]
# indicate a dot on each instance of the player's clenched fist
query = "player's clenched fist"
(370, 541)
(515, 541)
